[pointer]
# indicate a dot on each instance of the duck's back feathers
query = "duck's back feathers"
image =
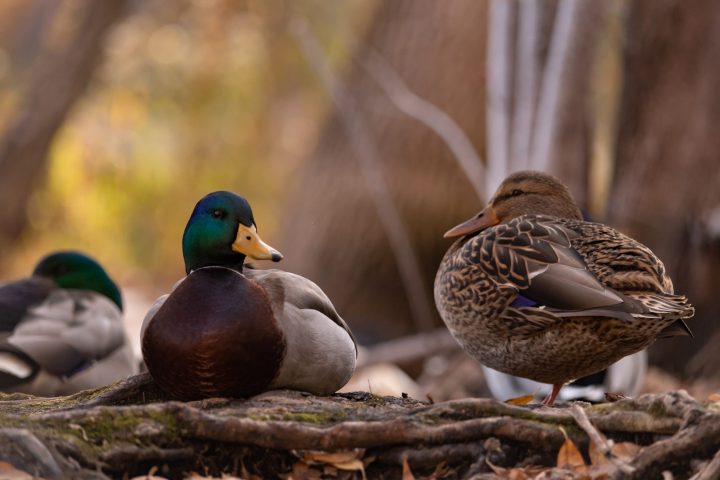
(17, 297)
(62, 335)
(321, 350)
(285, 288)
(617, 260)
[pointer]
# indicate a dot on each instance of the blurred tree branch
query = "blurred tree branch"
(428, 114)
(368, 157)
(56, 83)
(527, 67)
(499, 75)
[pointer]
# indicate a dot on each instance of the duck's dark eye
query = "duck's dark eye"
(217, 213)
(516, 192)
(248, 237)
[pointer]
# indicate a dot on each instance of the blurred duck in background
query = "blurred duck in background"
(532, 290)
(230, 330)
(61, 330)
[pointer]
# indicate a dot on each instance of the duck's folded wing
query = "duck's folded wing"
(69, 331)
(288, 287)
(534, 255)
(17, 297)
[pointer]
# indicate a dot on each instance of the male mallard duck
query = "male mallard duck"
(231, 331)
(61, 330)
(532, 290)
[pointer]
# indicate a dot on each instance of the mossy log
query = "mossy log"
(130, 427)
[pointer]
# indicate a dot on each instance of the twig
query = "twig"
(120, 456)
(698, 439)
(408, 349)
(711, 470)
(498, 84)
(432, 456)
(552, 83)
(598, 438)
(428, 114)
(367, 155)
(526, 69)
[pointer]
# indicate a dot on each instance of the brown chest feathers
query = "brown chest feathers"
(215, 335)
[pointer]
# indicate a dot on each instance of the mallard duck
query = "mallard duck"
(61, 330)
(532, 290)
(232, 331)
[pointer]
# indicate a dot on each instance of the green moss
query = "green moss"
(316, 418)
(657, 409)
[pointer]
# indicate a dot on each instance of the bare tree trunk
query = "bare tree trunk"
(59, 80)
(438, 50)
(667, 174)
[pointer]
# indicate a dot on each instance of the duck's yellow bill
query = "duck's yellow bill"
(249, 243)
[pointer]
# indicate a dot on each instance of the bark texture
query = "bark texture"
(130, 427)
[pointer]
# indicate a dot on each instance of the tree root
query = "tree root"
(131, 426)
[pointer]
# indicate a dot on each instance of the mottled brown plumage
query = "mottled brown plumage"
(532, 290)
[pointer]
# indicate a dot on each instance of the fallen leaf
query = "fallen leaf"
(597, 458)
(602, 467)
(714, 397)
(626, 451)
(524, 400)
(150, 475)
(332, 457)
(441, 471)
(407, 473)
(347, 460)
(497, 470)
(8, 472)
(569, 456)
(302, 471)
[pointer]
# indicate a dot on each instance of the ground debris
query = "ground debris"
(131, 429)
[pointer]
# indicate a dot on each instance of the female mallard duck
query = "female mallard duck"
(61, 330)
(231, 331)
(532, 290)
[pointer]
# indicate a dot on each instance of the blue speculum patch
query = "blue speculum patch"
(521, 301)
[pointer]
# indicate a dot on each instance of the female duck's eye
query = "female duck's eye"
(218, 213)
(516, 192)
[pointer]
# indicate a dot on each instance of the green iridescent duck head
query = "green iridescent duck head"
(74, 270)
(222, 232)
